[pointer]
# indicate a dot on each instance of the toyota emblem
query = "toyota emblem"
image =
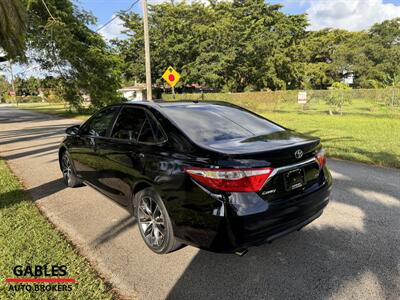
(298, 154)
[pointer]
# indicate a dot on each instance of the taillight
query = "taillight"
(231, 180)
(321, 158)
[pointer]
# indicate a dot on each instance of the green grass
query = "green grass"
(27, 238)
(368, 131)
(374, 140)
(54, 109)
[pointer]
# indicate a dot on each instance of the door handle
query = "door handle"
(133, 154)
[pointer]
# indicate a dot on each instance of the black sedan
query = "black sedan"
(209, 174)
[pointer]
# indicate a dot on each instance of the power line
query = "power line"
(51, 33)
(116, 16)
(44, 3)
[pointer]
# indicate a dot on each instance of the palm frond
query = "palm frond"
(12, 27)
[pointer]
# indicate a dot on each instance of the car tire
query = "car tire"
(154, 223)
(69, 175)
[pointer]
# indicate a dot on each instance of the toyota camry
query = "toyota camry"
(208, 174)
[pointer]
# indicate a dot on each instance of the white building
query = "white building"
(134, 93)
(348, 77)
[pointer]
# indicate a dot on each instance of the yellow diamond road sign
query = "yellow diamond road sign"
(171, 76)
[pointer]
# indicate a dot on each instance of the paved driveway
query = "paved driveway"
(352, 251)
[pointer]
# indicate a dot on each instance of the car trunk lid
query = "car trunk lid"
(292, 156)
(275, 149)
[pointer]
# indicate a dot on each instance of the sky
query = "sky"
(346, 14)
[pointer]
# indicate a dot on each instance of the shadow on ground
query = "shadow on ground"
(34, 133)
(46, 141)
(114, 230)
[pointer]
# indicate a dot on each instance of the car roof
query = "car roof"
(182, 103)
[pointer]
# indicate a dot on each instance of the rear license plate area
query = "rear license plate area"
(294, 179)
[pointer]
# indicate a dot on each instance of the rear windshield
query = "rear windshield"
(214, 123)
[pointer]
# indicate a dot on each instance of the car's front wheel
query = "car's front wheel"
(68, 171)
(154, 223)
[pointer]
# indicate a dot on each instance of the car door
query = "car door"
(126, 152)
(123, 161)
(85, 150)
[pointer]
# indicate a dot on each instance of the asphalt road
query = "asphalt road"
(351, 252)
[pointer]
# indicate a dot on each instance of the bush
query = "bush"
(337, 97)
(251, 100)
(371, 84)
(22, 99)
(340, 86)
(52, 97)
(29, 99)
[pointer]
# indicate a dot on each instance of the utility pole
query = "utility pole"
(147, 50)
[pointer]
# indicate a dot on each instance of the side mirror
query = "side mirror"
(73, 130)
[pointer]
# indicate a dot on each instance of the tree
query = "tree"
(319, 49)
(337, 97)
(28, 86)
(385, 38)
(317, 75)
(12, 28)
(233, 46)
(63, 43)
(4, 87)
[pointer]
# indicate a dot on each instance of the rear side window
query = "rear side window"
(158, 132)
(133, 124)
(100, 122)
(146, 133)
(207, 124)
(129, 124)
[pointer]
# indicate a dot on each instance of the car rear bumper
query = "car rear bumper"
(255, 221)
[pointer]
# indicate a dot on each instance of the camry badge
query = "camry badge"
(298, 154)
(268, 192)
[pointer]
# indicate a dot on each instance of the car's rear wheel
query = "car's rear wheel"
(154, 223)
(69, 175)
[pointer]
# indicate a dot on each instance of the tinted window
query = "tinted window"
(98, 125)
(129, 124)
(206, 123)
(159, 134)
(146, 133)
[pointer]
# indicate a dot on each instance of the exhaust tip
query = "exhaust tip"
(242, 252)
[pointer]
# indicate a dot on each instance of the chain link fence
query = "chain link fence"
(270, 100)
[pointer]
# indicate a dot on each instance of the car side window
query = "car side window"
(135, 124)
(146, 133)
(129, 124)
(159, 134)
(99, 124)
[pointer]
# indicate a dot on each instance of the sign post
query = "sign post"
(171, 76)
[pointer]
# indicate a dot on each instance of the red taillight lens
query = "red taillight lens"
(231, 180)
(321, 158)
